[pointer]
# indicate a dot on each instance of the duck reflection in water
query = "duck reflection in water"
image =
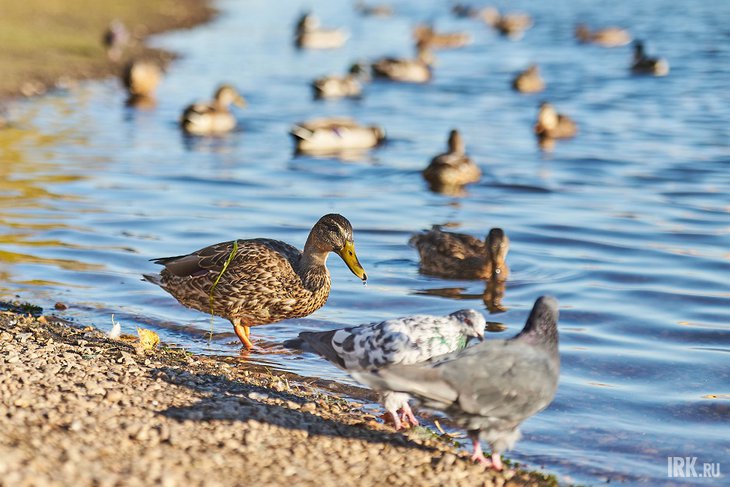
(491, 297)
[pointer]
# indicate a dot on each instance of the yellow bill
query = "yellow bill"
(347, 253)
(240, 101)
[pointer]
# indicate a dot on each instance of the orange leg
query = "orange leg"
(243, 333)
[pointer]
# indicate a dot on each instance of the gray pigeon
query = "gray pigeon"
(408, 340)
(492, 387)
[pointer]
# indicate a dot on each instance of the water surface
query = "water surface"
(628, 225)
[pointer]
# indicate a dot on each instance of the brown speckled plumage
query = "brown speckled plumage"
(461, 256)
(267, 280)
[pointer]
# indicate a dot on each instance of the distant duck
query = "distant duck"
(115, 39)
(330, 135)
(643, 64)
(606, 37)
(406, 70)
(553, 125)
(141, 78)
(465, 11)
(440, 40)
(450, 171)
(461, 256)
(529, 80)
(512, 25)
(348, 86)
(214, 117)
(378, 10)
(309, 35)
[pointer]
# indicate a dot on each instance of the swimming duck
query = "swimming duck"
(440, 40)
(643, 64)
(461, 256)
(512, 25)
(606, 37)
(348, 86)
(260, 281)
(451, 170)
(141, 78)
(378, 10)
(465, 11)
(327, 135)
(215, 117)
(553, 125)
(309, 35)
(406, 70)
(529, 80)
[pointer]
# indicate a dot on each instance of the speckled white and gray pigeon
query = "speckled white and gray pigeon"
(492, 387)
(407, 340)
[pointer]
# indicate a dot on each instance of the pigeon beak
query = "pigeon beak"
(481, 337)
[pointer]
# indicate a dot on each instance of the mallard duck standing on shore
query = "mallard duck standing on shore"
(643, 64)
(214, 117)
(327, 135)
(606, 37)
(309, 35)
(406, 70)
(260, 281)
(529, 80)
(141, 78)
(553, 125)
(461, 256)
(450, 171)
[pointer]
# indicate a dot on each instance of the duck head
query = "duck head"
(226, 95)
(333, 233)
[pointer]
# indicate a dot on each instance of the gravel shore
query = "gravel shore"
(80, 409)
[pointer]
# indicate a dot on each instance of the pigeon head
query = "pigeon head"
(542, 325)
(472, 321)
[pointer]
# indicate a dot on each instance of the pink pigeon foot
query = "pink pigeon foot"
(497, 462)
(407, 415)
(478, 455)
(392, 417)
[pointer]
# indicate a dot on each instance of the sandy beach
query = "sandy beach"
(81, 409)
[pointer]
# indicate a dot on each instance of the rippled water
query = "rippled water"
(628, 225)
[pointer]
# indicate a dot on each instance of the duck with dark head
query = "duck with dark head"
(260, 281)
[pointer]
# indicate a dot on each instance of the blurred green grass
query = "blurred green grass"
(47, 40)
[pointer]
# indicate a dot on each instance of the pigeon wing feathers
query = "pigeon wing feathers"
(506, 379)
(422, 382)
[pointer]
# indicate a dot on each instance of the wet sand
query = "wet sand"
(81, 409)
